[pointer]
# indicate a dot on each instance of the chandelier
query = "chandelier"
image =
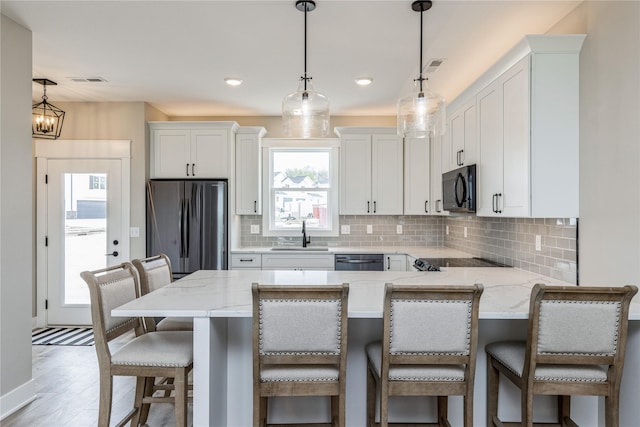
(46, 118)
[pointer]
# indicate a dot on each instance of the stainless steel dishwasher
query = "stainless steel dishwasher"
(359, 262)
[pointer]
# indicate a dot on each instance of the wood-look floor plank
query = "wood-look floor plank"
(67, 386)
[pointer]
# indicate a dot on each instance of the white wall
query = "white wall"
(16, 217)
(609, 241)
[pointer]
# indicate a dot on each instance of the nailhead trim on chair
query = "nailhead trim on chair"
(615, 338)
(339, 330)
(462, 353)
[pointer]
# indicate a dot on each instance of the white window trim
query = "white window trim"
(267, 145)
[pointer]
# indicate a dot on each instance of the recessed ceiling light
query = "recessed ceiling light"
(364, 81)
(233, 81)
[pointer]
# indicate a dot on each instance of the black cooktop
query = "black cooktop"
(434, 264)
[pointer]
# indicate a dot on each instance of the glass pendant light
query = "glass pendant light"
(421, 114)
(305, 112)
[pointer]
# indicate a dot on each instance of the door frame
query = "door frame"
(74, 150)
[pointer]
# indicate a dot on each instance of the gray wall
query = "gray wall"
(16, 215)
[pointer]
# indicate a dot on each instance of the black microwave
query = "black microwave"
(459, 190)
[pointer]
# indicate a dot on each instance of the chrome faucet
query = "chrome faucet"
(305, 240)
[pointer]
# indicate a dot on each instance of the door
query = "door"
(84, 231)
(386, 172)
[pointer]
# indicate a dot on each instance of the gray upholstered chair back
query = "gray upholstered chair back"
(570, 321)
(300, 320)
(589, 327)
(109, 288)
(155, 272)
(430, 326)
(300, 326)
(431, 319)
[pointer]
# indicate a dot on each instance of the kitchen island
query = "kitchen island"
(220, 303)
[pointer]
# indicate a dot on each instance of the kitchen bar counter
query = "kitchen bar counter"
(412, 251)
(220, 303)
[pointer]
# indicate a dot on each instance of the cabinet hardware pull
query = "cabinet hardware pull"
(493, 202)
(193, 169)
(246, 259)
(187, 169)
(368, 207)
(255, 206)
(425, 206)
(374, 207)
(388, 263)
(498, 196)
(114, 253)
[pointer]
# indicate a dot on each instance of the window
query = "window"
(301, 185)
(97, 182)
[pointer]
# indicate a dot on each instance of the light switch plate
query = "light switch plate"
(369, 229)
(134, 232)
(345, 229)
(255, 229)
(399, 229)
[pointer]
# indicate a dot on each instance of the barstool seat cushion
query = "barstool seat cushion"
(166, 349)
(415, 372)
(175, 324)
(511, 354)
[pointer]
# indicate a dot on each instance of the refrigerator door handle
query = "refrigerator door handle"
(182, 227)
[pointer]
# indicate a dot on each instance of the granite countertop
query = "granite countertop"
(227, 293)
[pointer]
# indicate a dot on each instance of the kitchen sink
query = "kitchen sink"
(299, 248)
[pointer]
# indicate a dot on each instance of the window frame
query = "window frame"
(269, 145)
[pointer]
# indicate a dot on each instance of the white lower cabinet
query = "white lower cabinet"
(297, 261)
(395, 262)
(246, 261)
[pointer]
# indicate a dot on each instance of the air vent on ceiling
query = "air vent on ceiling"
(433, 64)
(87, 79)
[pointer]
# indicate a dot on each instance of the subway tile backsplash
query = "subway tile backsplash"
(511, 241)
(416, 231)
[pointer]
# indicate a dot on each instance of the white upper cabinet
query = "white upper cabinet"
(463, 136)
(249, 170)
(191, 150)
(527, 129)
(423, 176)
(371, 174)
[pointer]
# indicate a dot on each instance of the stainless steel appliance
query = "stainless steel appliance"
(187, 220)
(359, 262)
(459, 190)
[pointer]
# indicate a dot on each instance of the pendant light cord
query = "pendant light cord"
(305, 47)
(421, 25)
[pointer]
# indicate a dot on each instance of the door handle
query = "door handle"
(114, 253)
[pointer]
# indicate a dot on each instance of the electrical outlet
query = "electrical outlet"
(446, 229)
(465, 232)
(369, 229)
(399, 229)
(255, 229)
(345, 229)
(538, 242)
(134, 232)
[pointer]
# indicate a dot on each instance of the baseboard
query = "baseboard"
(17, 398)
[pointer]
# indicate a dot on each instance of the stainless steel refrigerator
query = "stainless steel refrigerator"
(187, 220)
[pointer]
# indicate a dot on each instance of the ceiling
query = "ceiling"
(176, 54)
